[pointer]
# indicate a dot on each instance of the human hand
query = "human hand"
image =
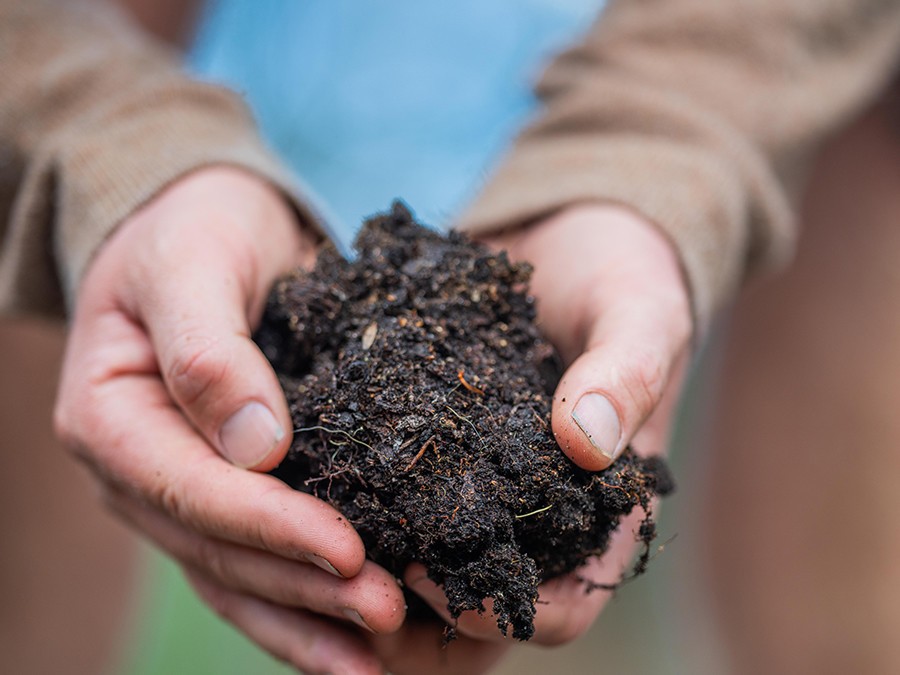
(612, 299)
(169, 402)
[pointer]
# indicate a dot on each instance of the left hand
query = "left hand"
(613, 301)
(177, 413)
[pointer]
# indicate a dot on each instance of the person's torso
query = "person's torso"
(368, 101)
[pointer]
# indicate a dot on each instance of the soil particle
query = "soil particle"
(420, 390)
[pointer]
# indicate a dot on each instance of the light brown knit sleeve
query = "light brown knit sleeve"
(701, 115)
(95, 119)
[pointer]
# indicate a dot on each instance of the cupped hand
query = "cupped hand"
(175, 410)
(612, 299)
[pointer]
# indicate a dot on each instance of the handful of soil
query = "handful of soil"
(420, 390)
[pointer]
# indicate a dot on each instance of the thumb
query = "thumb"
(608, 392)
(223, 383)
(205, 271)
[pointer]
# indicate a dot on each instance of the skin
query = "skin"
(172, 21)
(160, 356)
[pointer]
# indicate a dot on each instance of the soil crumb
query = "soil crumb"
(420, 389)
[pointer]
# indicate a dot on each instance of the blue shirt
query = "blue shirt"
(368, 100)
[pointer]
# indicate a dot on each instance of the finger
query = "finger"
(212, 369)
(608, 392)
(196, 296)
(135, 439)
(419, 647)
(307, 642)
(372, 599)
(620, 313)
(565, 610)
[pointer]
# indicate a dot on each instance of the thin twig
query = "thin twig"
(469, 422)
(429, 442)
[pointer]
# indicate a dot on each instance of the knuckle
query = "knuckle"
(270, 526)
(198, 366)
(170, 498)
(211, 556)
(262, 537)
(217, 599)
(645, 380)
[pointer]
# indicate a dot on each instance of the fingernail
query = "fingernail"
(599, 421)
(248, 436)
(356, 618)
(319, 561)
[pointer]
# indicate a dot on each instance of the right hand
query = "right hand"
(175, 410)
(612, 299)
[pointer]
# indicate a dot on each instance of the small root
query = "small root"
(640, 566)
(335, 431)
(468, 420)
(471, 387)
(430, 442)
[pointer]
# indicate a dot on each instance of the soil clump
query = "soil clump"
(420, 390)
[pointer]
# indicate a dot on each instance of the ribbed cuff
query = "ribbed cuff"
(98, 118)
(110, 170)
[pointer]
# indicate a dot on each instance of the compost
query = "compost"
(420, 390)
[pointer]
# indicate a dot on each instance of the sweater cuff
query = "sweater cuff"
(691, 194)
(108, 174)
(113, 162)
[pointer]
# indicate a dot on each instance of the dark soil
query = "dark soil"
(420, 390)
